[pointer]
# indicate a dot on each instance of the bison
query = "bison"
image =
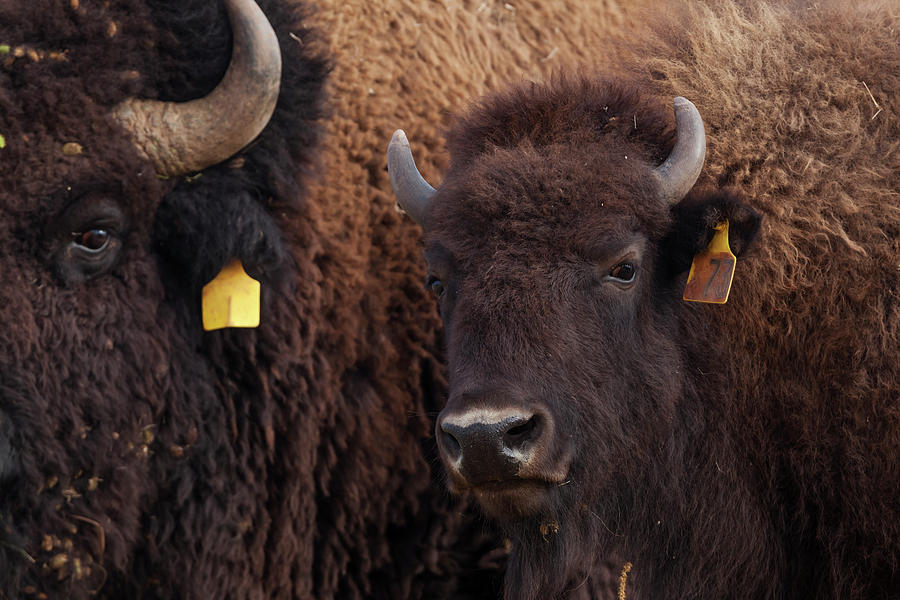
(139, 456)
(750, 450)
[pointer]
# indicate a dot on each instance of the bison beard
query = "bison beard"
(745, 451)
(140, 457)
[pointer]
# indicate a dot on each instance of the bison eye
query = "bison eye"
(623, 272)
(95, 240)
(437, 287)
(86, 238)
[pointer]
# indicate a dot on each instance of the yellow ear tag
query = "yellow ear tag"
(231, 299)
(712, 271)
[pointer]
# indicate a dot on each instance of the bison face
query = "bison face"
(557, 253)
(560, 293)
(563, 358)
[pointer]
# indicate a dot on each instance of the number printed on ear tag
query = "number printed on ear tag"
(712, 271)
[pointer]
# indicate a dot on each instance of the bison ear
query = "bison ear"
(693, 224)
(201, 226)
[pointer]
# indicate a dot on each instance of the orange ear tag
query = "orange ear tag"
(712, 271)
(231, 299)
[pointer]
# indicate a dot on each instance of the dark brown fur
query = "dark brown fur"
(141, 457)
(740, 451)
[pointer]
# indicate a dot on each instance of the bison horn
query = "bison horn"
(190, 136)
(412, 191)
(678, 174)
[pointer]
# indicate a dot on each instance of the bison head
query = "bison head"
(557, 247)
(113, 413)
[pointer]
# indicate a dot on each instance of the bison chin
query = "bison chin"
(504, 500)
(564, 535)
(522, 505)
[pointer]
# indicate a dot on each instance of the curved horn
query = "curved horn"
(678, 174)
(182, 137)
(412, 191)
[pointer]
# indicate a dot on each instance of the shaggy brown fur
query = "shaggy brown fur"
(410, 62)
(140, 457)
(747, 450)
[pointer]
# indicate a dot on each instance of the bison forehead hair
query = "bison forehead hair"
(573, 155)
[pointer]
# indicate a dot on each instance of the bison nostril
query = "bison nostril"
(451, 445)
(491, 444)
(517, 435)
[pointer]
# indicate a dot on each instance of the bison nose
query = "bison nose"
(482, 446)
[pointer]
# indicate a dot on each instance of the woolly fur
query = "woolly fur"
(762, 461)
(143, 458)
